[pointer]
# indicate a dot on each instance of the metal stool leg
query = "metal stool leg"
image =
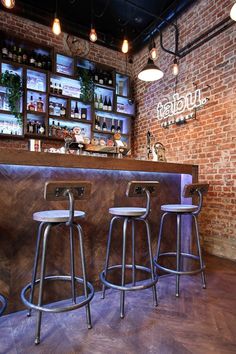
(151, 262)
(122, 294)
(36, 259)
(72, 264)
(200, 253)
(178, 253)
(160, 237)
(80, 232)
(133, 255)
(42, 276)
(107, 254)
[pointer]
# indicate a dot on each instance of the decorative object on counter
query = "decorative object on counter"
(148, 145)
(13, 83)
(79, 138)
(35, 145)
(85, 78)
(158, 152)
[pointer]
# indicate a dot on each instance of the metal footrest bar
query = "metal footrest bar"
(3, 302)
(180, 272)
(57, 309)
(146, 285)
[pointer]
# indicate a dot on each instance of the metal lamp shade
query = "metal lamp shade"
(150, 72)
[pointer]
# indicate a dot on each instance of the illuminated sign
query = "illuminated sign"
(179, 104)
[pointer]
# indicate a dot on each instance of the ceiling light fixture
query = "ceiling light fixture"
(125, 46)
(233, 12)
(175, 67)
(56, 27)
(9, 4)
(150, 72)
(92, 35)
(153, 49)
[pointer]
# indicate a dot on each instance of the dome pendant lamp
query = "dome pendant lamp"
(150, 72)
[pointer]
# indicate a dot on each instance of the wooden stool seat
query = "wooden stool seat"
(127, 211)
(179, 208)
(56, 215)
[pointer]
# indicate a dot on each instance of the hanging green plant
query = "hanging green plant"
(13, 83)
(85, 78)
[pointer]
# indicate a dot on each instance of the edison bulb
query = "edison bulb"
(93, 35)
(56, 27)
(125, 46)
(9, 4)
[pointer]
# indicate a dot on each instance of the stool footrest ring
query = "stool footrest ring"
(180, 272)
(146, 285)
(57, 309)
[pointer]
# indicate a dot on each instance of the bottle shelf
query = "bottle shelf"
(108, 132)
(73, 120)
(36, 113)
(107, 87)
(36, 91)
(34, 135)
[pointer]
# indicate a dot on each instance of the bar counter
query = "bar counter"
(22, 178)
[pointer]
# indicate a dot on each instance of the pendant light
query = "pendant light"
(153, 50)
(56, 27)
(9, 4)
(150, 72)
(175, 67)
(233, 12)
(92, 35)
(125, 46)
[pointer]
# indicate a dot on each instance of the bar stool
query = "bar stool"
(179, 210)
(58, 191)
(132, 215)
(3, 303)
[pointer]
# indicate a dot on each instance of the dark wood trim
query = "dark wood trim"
(19, 157)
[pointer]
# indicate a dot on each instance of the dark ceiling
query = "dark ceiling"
(112, 18)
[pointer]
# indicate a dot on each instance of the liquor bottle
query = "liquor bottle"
(63, 111)
(118, 128)
(95, 76)
(19, 55)
(40, 104)
(83, 113)
(105, 78)
(109, 105)
(14, 54)
(44, 62)
(39, 61)
(51, 108)
(55, 90)
(10, 53)
(76, 112)
(97, 123)
(104, 125)
(105, 104)
(32, 59)
(24, 57)
(100, 104)
(110, 80)
(113, 128)
(51, 87)
(31, 105)
(57, 110)
(59, 89)
(4, 52)
(58, 130)
(53, 129)
(41, 129)
(96, 101)
(100, 78)
(31, 127)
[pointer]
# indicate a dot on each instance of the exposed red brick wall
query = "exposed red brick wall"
(209, 141)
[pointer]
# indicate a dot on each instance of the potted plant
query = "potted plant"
(13, 83)
(85, 78)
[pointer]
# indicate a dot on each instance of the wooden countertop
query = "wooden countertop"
(28, 158)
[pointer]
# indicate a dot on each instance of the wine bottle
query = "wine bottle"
(51, 108)
(95, 76)
(118, 128)
(19, 55)
(96, 101)
(55, 90)
(4, 52)
(105, 104)
(24, 57)
(100, 105)
(76, 112)
(100, 80)
(60, 90)
(84, 113)
(110, 80)
(39, 61)
(14, 54)
(63, 111)
(97, 123)
(32, 59)
(104, 125)
(113, 128)
(51, 87)
(10, 53)
(109, 105)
